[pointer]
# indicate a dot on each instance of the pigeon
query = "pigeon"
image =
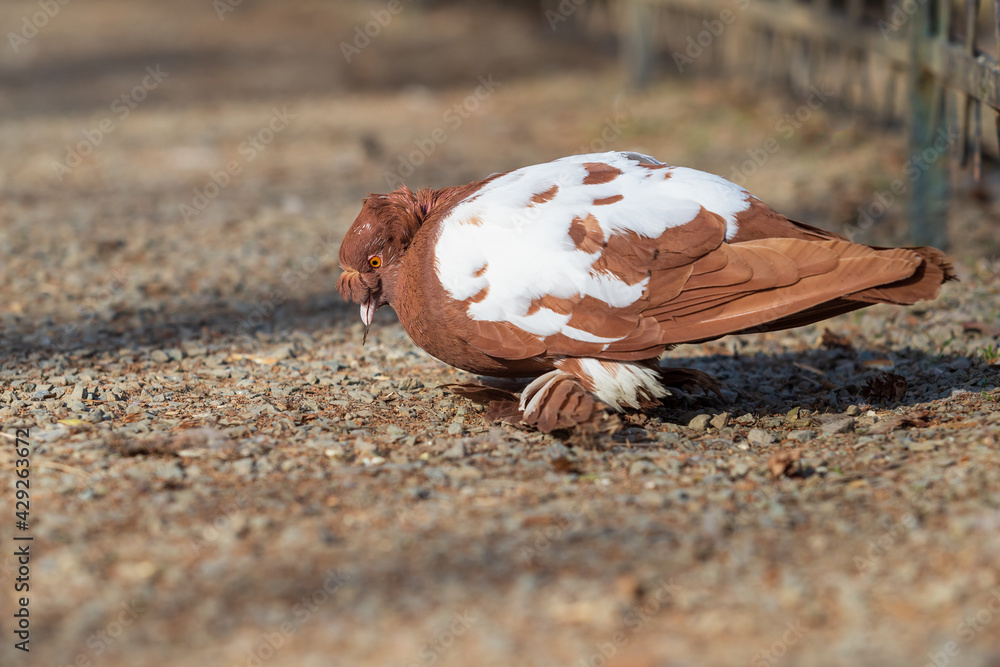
(582, 271)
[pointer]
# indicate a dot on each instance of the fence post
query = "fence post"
(929, 191)
(637, 46)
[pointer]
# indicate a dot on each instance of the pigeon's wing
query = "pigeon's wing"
(617, 256)
(559, 258)
(774, 273)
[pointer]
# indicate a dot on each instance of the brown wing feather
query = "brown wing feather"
(775, 273)
(668, 261)
(760, 221)
(727, 309)
(503, 340)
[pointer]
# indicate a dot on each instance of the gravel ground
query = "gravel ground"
(220, 469)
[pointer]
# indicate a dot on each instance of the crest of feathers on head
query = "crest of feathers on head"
(387, 223)
(401, 213)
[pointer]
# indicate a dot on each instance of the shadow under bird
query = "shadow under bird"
(581, 272)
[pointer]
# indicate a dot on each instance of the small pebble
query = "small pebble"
(641, 467)
(759, 437)
(739, 469)
(922, 446)
(720, 421)
(243, 467)
(801, 435)
(365, 447)
(456, 451)
(700, 422)
(840, 425)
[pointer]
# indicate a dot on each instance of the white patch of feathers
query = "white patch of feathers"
(617, 384)
(622, 383)
(528, 252)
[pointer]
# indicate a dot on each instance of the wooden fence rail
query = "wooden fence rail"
(907, 60)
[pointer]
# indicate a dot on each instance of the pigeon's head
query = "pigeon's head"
(373, 248)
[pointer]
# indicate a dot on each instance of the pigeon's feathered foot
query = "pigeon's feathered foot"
(556, 401)
(579, 390)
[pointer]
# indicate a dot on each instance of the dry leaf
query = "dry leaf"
(832, 341)
(564, 464)
(915, 419)
(784, 462)
(878, 363)
(690, 379)
(887, 388)
(991, 330)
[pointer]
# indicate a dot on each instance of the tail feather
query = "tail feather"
(779, 283)
(924, 283)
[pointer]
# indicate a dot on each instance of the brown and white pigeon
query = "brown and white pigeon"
(582, 271)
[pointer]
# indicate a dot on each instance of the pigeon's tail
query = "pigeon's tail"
(808, 274)
(923, 284)
(773, 283)
(929, 274)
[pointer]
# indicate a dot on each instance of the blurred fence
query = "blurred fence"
(926, 63)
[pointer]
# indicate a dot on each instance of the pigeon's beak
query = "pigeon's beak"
(353, 288)
(368, 307)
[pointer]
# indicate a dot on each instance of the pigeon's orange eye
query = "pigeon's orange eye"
(375, 262)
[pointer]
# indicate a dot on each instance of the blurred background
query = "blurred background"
(143, 129)
(157, 130)
(179, 175)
